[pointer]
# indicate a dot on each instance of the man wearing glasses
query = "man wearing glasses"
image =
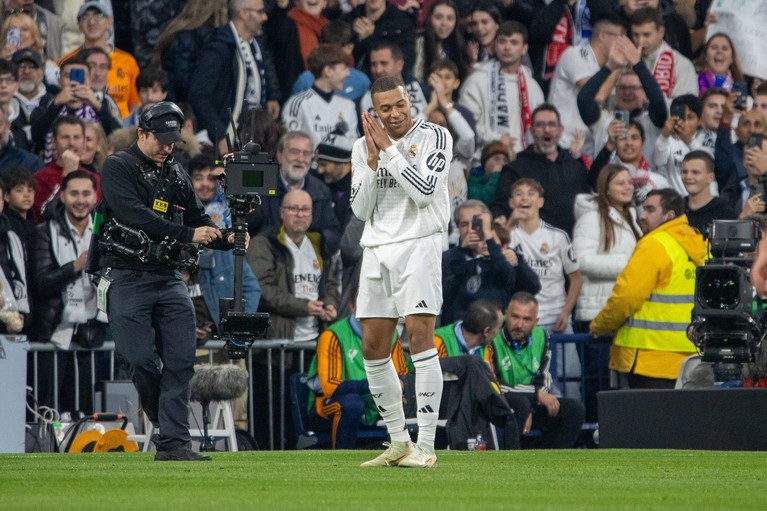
(549, 164)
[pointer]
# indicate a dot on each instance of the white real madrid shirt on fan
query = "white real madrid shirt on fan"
(310, 112)
(306, 282)
(550, 254)
(406, 197)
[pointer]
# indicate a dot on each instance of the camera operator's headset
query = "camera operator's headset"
(147, 118)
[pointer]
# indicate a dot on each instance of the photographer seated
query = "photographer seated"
(298, 287)
(214, 278)
(652, 298)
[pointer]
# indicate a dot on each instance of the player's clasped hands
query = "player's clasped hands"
(375, 137)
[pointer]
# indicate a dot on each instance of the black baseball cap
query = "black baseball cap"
(164, 119)
(27, 54)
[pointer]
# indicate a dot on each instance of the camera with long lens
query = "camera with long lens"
(729, 329)
(250, 175)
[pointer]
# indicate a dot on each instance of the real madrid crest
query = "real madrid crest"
(413, 150)
(544, 248)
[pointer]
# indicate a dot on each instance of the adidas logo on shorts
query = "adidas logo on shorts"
(422, 305)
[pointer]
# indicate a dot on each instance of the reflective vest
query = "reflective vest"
(519, 366)
(661, 323)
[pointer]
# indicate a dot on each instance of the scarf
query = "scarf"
(499, 108)
(79, 296)
(560, 41)
(85, 112)
(309, 28)
(663, 69)
(708, 79)
(640, 175)
(251, 79)
(582, 23)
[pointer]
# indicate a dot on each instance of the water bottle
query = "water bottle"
(471, 444)
(481, 444)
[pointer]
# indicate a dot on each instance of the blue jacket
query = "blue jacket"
(12, 156)
(217, 281)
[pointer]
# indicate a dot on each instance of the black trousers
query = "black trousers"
(153, 325)
(558, 432)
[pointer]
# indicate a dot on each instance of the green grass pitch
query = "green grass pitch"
(314, 480)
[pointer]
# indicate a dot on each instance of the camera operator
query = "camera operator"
(150, 312)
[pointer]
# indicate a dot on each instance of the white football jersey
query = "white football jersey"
(307, 111)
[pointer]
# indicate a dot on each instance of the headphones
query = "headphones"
(157, 110)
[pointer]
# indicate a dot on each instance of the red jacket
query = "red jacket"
(48, 184)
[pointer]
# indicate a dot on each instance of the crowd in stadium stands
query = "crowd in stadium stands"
(594, 142)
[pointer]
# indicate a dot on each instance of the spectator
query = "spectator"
(68, 140)
(334, 166)
(218, 85)
(575, 67)
(10, 155)
(676, 140)
(64, 309)
(18, 186)
(321, 111)
(262, 129)
(29, 38)
(485, 22)
(341, 399)
(636, 93)
(501, 89)
(357, 83)
(181, 40)
(76, 99)
(483, 180)
(521, 355)
(556, 170)
(294, 154)
(299, 289)
(676, 33)
(718, 65)
(99, 63)
(95, 149)
(711, 115)
(95, 22)
(31, 86)
(673, 71)
(441, 39)
(387, 59)
(480, 266)
(468, 336)
(152, 86)
(700, 205)
(13, 277)
(760, 98)
(375, 22)
(649, 309)
(293, 32)
(49, 25)
(625, 147)
(732, 160)
(143, 23)
(550, 254)
(13, 107)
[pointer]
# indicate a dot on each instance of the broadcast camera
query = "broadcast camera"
(728, 328)
(249, 176)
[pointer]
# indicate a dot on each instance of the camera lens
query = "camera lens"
(719, 289)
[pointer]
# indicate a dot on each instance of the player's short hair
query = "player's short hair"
(385, 84)
(646, 15)
(699, 154)
(524, 298)
(670, 200)
(481, 314)
(527, 181)
(509, 28)
(323, 56)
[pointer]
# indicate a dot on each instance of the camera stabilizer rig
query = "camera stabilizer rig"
(249, 175)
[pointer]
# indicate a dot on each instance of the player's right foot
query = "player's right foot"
(395, 452)
(419, 457)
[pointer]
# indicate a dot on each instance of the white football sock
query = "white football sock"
(428, 393)
(387, 393)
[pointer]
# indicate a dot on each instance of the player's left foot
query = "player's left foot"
(419, 457)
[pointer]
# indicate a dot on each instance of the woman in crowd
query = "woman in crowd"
(95, 148)
(441, 40)
(23, 26)
(485, 21)
(624, 147)
(183, 37)
(718, 65)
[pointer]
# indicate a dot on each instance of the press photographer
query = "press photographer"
(152, 216)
